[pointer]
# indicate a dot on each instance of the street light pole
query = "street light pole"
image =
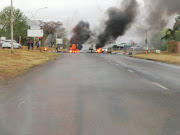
(38, 11)
(12, 46)
(29, 13)
(57, 36)
(147, 38)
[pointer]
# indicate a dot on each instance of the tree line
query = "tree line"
(161, 38)
(20, 22)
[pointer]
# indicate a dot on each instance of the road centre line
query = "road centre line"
(160, 86)
(130, 71)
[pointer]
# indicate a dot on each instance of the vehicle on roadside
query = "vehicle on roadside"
(105, 50)
(2, 39)
(136, 48)
(90, 51)
(151, 48)
(7, 44)
(1, 43)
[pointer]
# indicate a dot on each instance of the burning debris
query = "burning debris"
(74, 49)
(119, 21)
(99, 50)
(81, 34)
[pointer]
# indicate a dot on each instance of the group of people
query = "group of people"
(31, 45)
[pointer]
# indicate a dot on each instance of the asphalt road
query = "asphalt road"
(93, 94)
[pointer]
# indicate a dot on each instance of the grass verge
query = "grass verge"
(163, 57)
(12, 65)
(117, 51)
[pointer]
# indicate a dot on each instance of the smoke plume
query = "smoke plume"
(158, 12)
(81, 34)
(119, 20)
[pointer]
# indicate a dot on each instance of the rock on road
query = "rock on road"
(93, 94)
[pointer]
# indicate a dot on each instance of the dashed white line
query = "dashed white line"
(160, 86)
(117, 64)
(130, 71)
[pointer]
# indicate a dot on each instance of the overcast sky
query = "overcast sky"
(58, 9)
(68, 11)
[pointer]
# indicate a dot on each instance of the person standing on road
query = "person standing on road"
(37, 45)
(32, 45)
(28, 44)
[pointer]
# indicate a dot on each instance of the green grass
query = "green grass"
(12, 65)
(163, 57)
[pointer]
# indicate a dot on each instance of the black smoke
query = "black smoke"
(81, 34)
(158, 12)
(119, 20)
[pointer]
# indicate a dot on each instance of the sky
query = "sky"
(59, 9)
(70, 12)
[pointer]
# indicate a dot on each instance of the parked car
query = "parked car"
(151, 48)
(104, 50)
(7, 44)
(1, 42)
(2, 39)
(136, 48)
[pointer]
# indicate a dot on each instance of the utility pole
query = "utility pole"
(41, 43)
(57, 37)
(146, 38)
(56, 42)
(12, 46)
(20, 40)
(148, 49)
(67, 27)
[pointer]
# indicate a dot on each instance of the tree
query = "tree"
(177, 19)
(20, 24)
(171, 34)
(50, 27)
(157, 41)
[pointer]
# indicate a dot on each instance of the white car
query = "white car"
(104, 49)
(7, 44)
(136, 48)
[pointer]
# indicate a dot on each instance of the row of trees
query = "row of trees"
(21, 26)
(161, 38)
(173, 34)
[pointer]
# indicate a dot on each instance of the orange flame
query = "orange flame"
(45, 49)
(73, 49)
(99, 50)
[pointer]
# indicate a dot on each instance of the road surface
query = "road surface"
(93, 94)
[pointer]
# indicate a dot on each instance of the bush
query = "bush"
(164, 48)
(178, 36)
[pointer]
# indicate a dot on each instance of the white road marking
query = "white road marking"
(130, 71)
(160, 86)
(117, 64)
